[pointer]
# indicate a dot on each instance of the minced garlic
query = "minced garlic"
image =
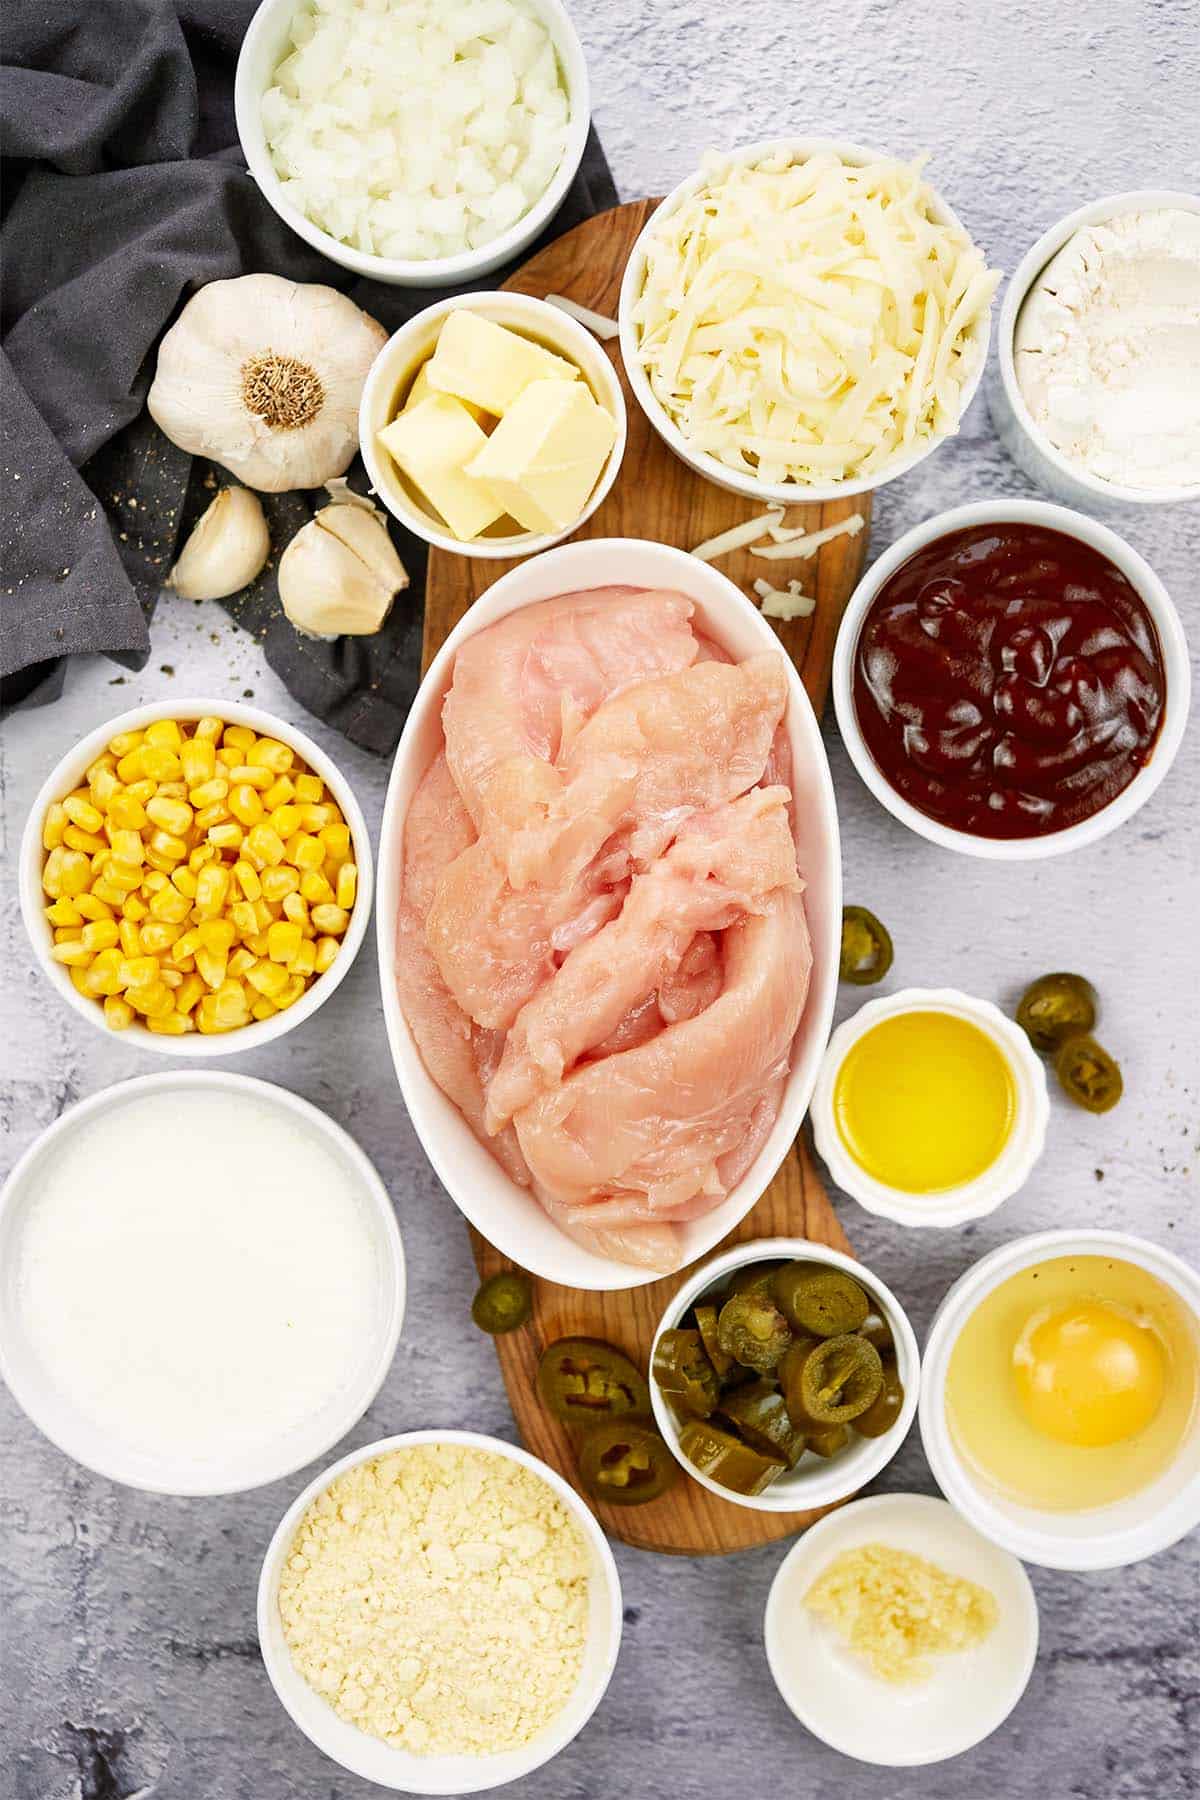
(896, 1610)
(437, 1597)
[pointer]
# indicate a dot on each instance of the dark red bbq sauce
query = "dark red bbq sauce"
(1008, 681)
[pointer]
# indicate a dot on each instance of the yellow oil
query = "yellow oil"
(1074, 1383)
(924, 1101)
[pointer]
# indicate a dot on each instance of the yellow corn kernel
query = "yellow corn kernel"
(246, 876)
(72, 872)
(105, 763)
(89, 907)
(78, 979)
(283, 940)
(306, 852)
(238, 737)
(187, 945)
(130, 937)
(314, 887)
(74, 955)
(126, 812)
(244, 918)
(285, 820)
(124, 742)
(68, 934)
(208, 816)
(326, 953)
(172, 790)
(109, 892)
(259, 943)
(281, 790)
(225, 837)
(171, 978)
(217, 935)
(277, 884)
(167, 845)
(53, 825)
(232, 1005)
(159, 763)
(210, 728)
(104, 788)
(185, 881)
(336, 839)
(138, 971)
(172, 1024)
(315, 818)
(123, 876)
(211, 966)
(99, 860)
(156, 860)
(170, 905)
(103, 978)
(154, 1000)
(127, 846)
(330, 920)
(174, 816)
(165, 732)
(118, 1014)
(100, 934)
(309, 787)
(190, 989)
(295, 908)
(134, 907)
(245, 805)
(129, 768)
(77, 839)
(263, 1009)
(83, 813)
(305, 960)
(208, 793)
(212, 889)
(158, 935)
(264, 847)
(246, 775)
(201, 856)
(241, 962)
(266, 977)
(269, 753)
(142, 790)
(197, 759)
(290, 994)
(347, 885)
(66, 912)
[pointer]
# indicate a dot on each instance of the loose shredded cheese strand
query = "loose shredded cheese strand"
(738, 536)
(790, 602)
(602, 327)
(790, 550)
(811, 321)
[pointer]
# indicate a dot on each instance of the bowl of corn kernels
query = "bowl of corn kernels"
(197, 876)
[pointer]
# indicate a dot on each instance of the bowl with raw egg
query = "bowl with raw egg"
(1060, 1398)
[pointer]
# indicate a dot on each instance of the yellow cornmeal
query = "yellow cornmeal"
(437, 1597)
(896, 1610)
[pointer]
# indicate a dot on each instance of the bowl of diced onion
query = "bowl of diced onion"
(804, 320)
(419, 142)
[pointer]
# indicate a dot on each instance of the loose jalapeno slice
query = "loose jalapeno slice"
(759, 1415)
(706, 1325)
(834, 1383)
(584, 1379)
(826, 1440)
(682, 1370)
(866, 947)
(877, 1331)
(753, 1331)
(885, 1408)
(755, 1278)
(1055, 1008)
(726, 1460)
(503, 1302)
(625, 1463)
(1088, 1074)
(824, 1302)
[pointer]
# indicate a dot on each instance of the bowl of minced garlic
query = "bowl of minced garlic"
(897, 1633)
(439, 1613)
(196, 876)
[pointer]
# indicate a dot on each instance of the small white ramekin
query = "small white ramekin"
(1016, 428)
(1104, 1537)
(837, 1697)
(1158, 604)
(785, 493)
(814, 1482)
(396, 367)
(1012, 1167)
(74, 1433)
(400, 1770)
(69, 774)
(260, 55)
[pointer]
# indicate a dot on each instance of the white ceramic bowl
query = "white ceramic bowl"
(834, 1693)
(1104, 1537)
(395, 368)
(1154, 597)
(260, 55)
(507, 1215)
(813, 1482)
(69, 773)
(786, 493)
(398, 1769)
(973, 1199)
(73, 1431)
(1024, 440)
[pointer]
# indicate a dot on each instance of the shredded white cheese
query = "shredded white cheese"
(596, 323)
(811, 321)
(790, 602)
(738, 536)
(789, 548)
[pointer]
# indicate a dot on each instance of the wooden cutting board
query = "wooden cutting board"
(656, 496)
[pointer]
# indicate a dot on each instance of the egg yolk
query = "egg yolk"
(1089, 1375)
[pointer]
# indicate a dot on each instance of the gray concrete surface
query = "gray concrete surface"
(129, 1662)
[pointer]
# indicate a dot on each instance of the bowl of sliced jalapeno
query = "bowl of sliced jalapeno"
(784, 1375)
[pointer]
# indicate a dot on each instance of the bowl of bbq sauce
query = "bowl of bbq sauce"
(1011, 680)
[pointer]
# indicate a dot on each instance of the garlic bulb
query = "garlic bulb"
(264, 376)
(226, 549)
(340, 573)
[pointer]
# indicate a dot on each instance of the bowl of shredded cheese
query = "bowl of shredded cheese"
(805, 319)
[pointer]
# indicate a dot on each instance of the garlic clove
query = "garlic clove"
(340, 574)
(225, 550)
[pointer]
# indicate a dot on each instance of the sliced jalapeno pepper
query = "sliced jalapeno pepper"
(503, 1302)
(825, 1302)
(759, 1415)
(1055, 1008)
(625, 1463)
(1089, 1075)
(835, 1382)
(826, 1440)
(866, 947)
(584, 1379)
(682, 1370)
(753, 1331)
(725, 1459)
(885, 1408)
(706, 1325)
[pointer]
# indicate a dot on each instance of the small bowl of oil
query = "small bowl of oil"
(931, 1107)
(1060, 1398)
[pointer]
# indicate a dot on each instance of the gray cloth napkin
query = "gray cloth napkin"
(124, 192)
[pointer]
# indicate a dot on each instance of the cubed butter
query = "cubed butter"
(542, 460)
(421, 390)
(487, 364)
(432, 442)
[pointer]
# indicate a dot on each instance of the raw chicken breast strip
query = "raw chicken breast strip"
(723, 864)
(655, 1121)
(643, 764)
